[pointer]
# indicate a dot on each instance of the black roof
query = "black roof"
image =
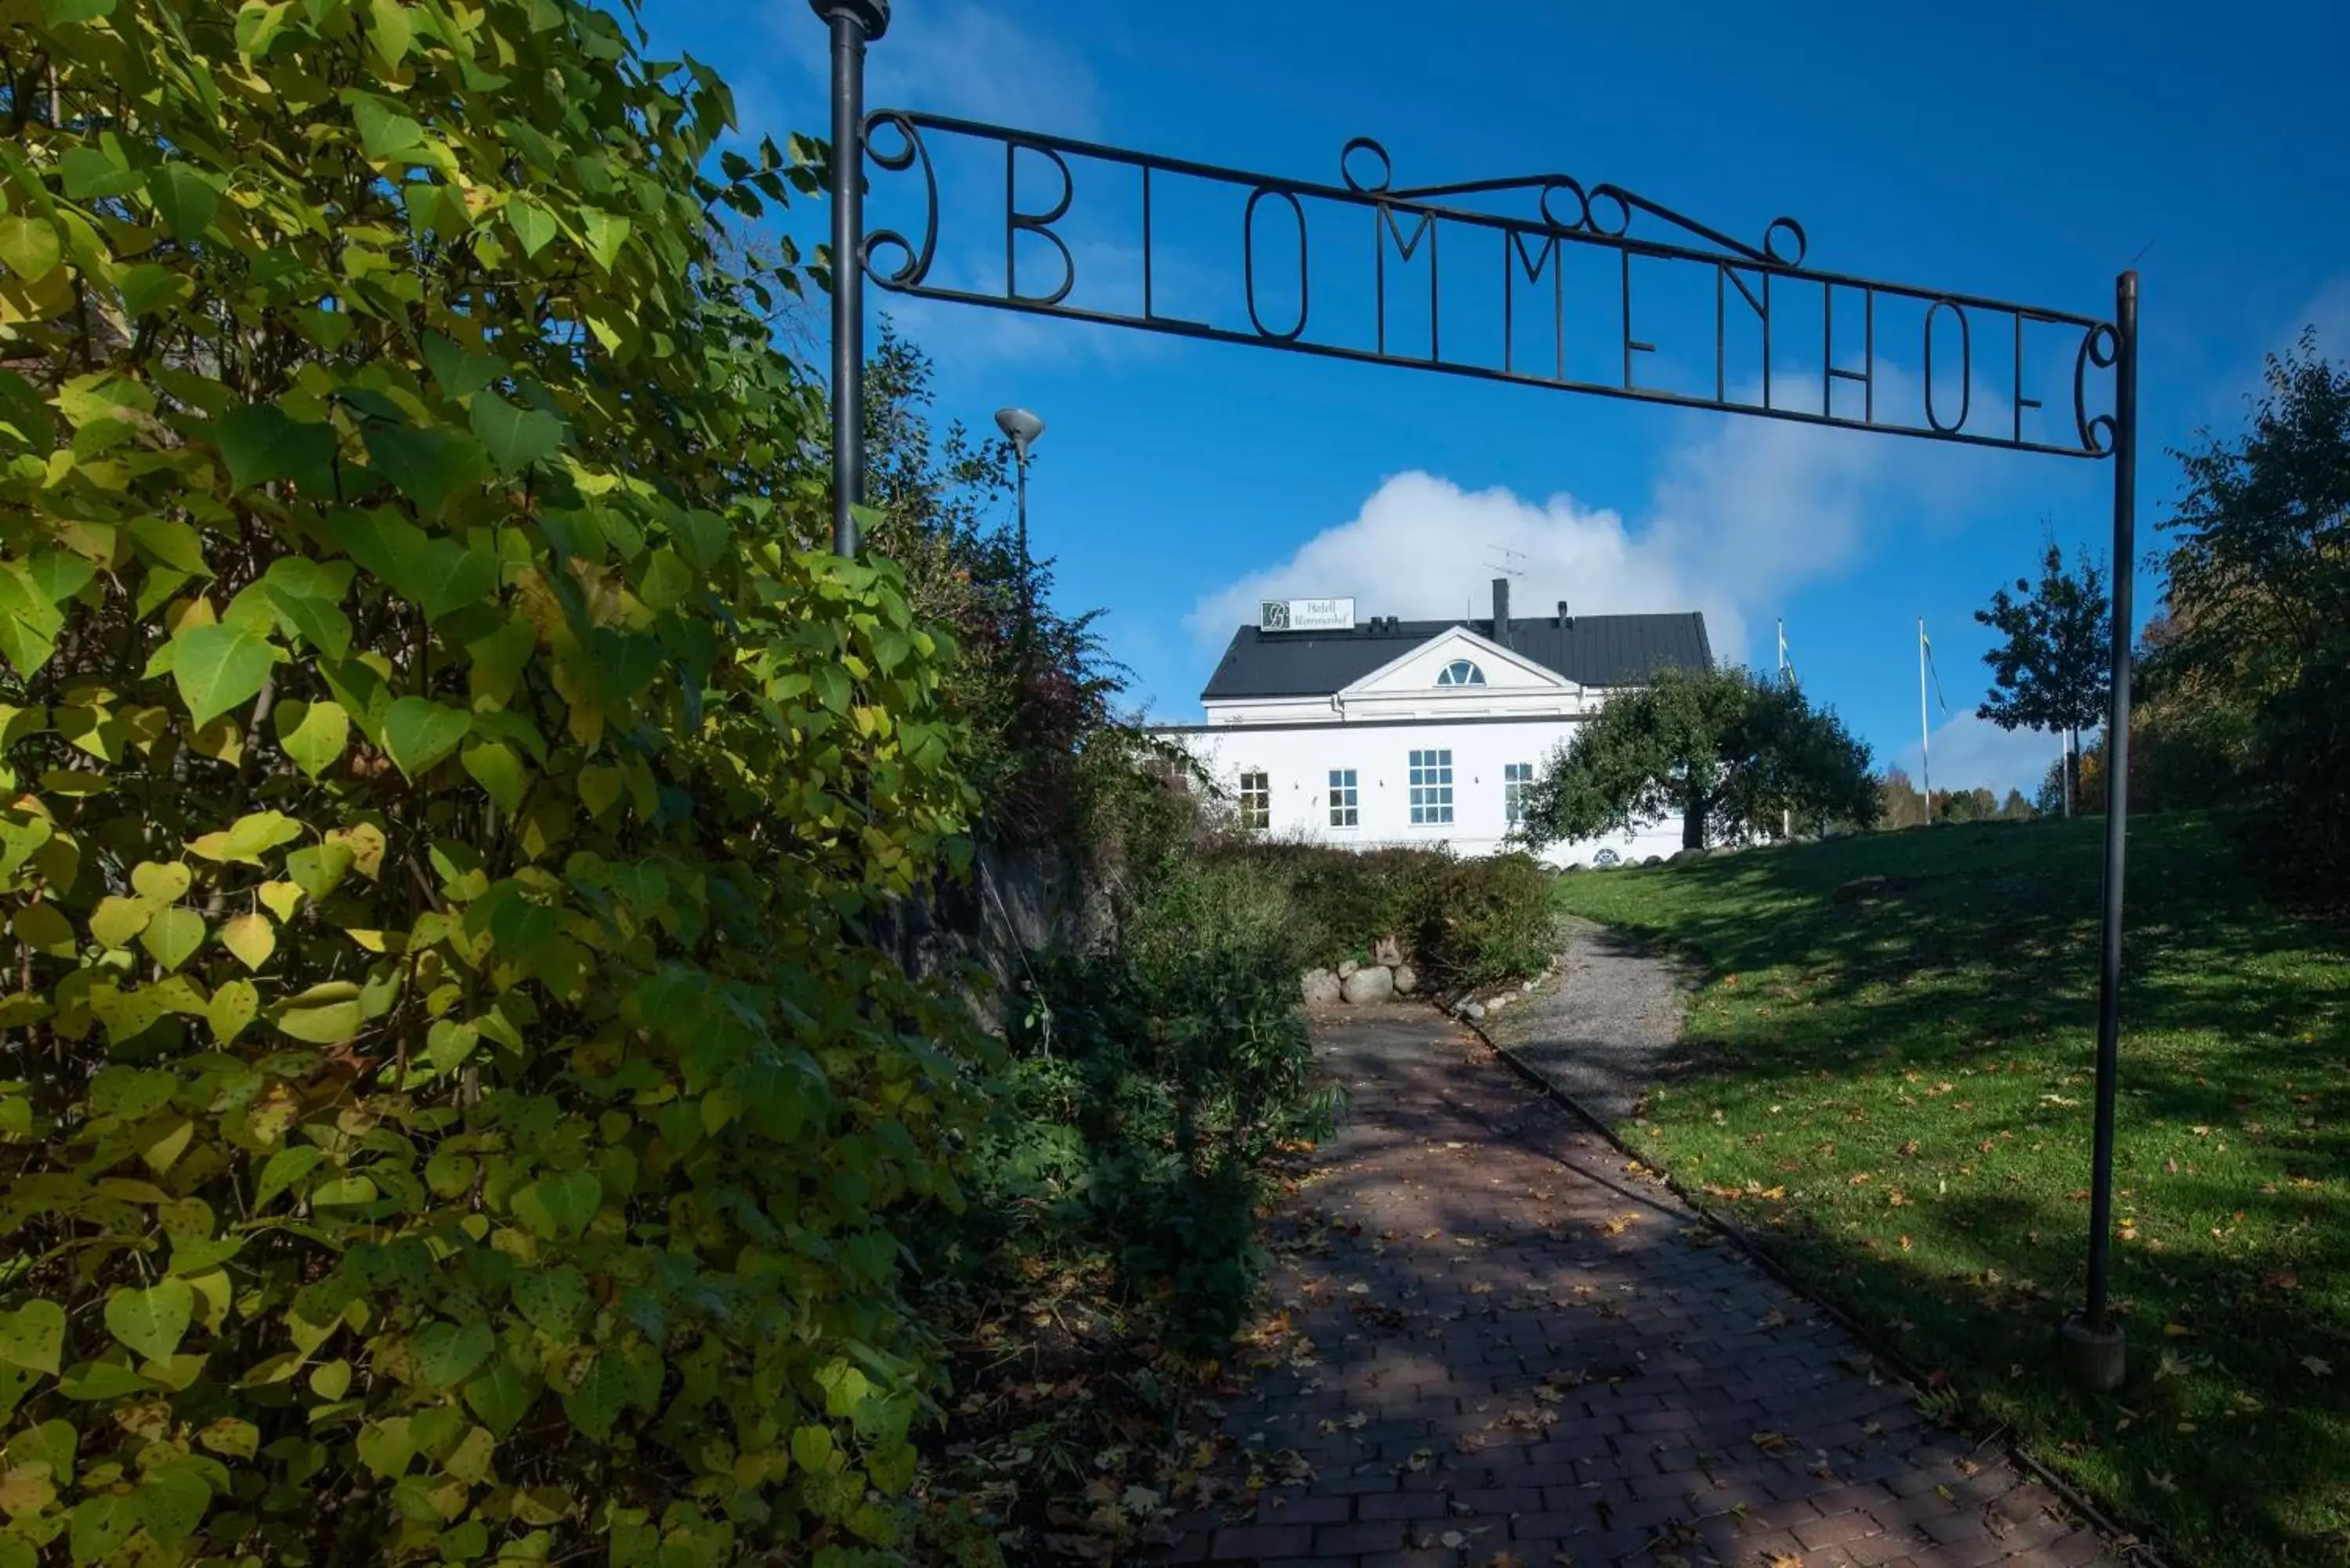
(1589, 650)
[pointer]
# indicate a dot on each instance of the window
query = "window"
(1432, 787)
(1343, 799)
(1516, 779)
(1460, 673)
(1256, 801)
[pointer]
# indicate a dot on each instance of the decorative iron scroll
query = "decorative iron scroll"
(1565, 214)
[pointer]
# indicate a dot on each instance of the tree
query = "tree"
(1726, 751)
(2260, 593)
(2016, 808)
(2054, 671)
(941, 500)
(1900, 805)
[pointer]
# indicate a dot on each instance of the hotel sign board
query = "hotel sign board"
(1306, 615)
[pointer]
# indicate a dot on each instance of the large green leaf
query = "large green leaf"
(315, 734)
(184, 199)
(447, 1353)
(29, 247)
(172, 937)
(500, 1395)
(307, 597)
(437, 575)
(515, 438)
(220, 666)
(553, 1300)
(172, 1503)
(259, 442)
(34, 1335)
(494, 766)
(384, 131)
(428, 464)
(151, 1322)
(533, 224)
(558, 1207)
(418, 732)
(102, 1525)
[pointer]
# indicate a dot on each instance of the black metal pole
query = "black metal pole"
(853, 23)
(2097, 1359)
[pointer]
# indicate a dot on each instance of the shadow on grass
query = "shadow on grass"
(1940, 1036)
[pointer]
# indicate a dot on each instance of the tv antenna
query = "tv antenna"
(1511, 563)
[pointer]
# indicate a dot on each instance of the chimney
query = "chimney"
(1562, 612)
(1502, 611)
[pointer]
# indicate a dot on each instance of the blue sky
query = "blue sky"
(2026, 152)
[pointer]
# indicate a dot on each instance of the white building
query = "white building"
(1422, 733)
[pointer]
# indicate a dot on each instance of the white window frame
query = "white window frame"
(1429, 780)
(1345, 799)
(1516, 779)
(1470, 674)
(1260, 796)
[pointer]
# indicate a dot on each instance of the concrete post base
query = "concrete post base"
(2091, 1360)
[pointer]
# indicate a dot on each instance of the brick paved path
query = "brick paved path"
(1522, 1354)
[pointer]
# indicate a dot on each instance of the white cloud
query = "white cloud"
(1384, 558)
(1738, 519)
(1968, 751)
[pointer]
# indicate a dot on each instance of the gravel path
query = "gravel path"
(1604, 1027)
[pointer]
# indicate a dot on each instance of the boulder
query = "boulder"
(1869, 887)
(1386, 950)
(1317, 986)
(1376, 983)
(1686, 855)
(1406, 980)
(1495, 1004)
(1654, 860)
(1473, 1010)
(1347, 967)
(1572, 866)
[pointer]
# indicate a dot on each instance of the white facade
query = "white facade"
(1427, 750)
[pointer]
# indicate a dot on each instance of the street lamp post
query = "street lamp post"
(1022, 429)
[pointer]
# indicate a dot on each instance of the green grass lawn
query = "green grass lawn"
(1895, 1095)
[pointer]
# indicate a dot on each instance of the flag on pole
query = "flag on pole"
(1927, 643)
(1786, 665)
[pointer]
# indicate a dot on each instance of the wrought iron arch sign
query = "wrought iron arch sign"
(1554, 215)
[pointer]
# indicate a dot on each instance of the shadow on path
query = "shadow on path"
(1498, 1342)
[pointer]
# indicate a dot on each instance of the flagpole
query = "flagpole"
(1786, 813)
(1924, 727)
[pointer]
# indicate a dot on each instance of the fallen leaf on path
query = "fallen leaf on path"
(1772, 1442)
(2318, 1365)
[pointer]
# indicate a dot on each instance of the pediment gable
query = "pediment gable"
(1422, 670)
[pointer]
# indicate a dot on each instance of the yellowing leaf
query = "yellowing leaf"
(281, 898)
(251, 938)
(325, 1014)
(233, 1006)
(165, 884)
(117, 921)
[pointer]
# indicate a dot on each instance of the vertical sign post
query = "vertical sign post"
(854, 23)
(2093, 1341)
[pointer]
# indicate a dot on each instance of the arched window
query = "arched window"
(1460, 673)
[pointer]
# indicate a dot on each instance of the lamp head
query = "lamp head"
(1022, 427)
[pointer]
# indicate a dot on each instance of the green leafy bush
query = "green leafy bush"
(1180, 1058)
(1462, 921)
(1479, 922)
(452, 1109)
